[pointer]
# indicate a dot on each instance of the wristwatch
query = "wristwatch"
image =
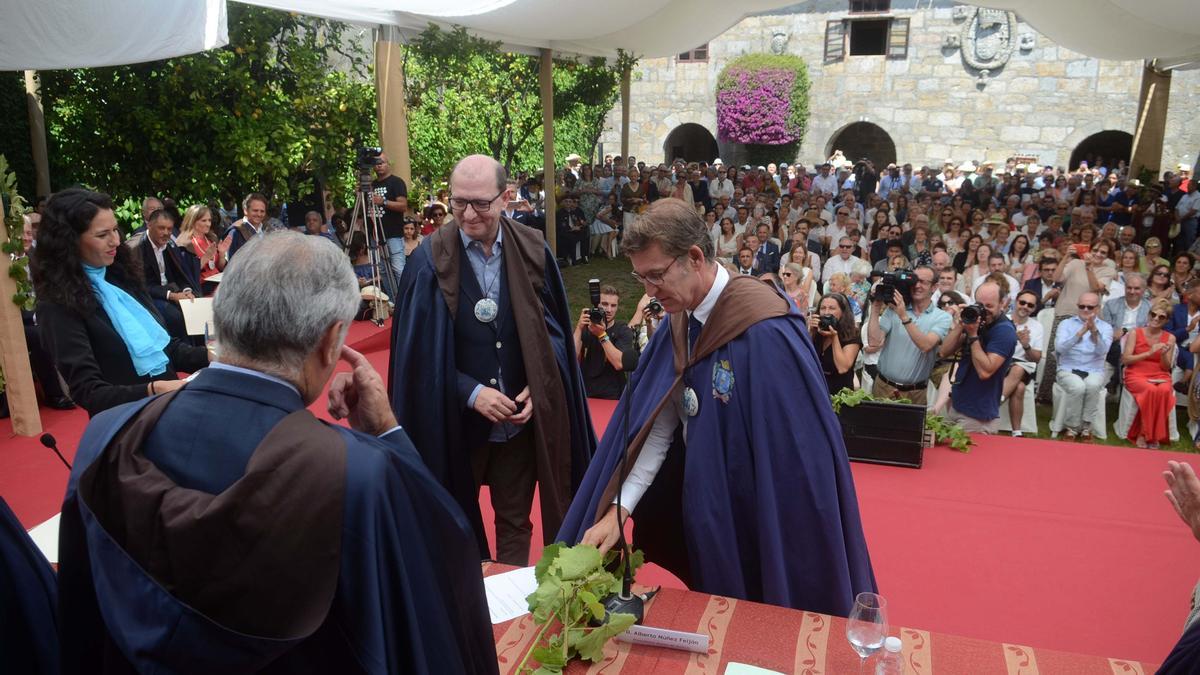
(972, 339)
(906, 321)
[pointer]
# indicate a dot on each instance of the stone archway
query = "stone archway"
(863, 139)
(690, 142)
(1110, 144)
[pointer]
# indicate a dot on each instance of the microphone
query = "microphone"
(625, 602)
(48, 441)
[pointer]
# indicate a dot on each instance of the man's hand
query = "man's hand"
(360, 396)
(597, 329)
(585, 323)
(185, 294)
(971, 329)
(898, 306)
(1193, 323)
(377, 199)
(525, 401)
(603, 535)
(1183, 493)
(494, 405)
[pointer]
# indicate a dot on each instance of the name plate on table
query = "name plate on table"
(884, 433)
(661, 637)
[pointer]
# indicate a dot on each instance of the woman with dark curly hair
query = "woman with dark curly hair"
(97, 320)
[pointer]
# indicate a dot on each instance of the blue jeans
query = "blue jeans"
(397, 258)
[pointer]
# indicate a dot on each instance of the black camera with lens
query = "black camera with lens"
(890, 282)
(974, 314)
(655, 307)
(595, 314)
(367, 157)
(827, 322)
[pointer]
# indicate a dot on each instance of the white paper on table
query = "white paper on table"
(197, 314)
(216, 278)
(733, 668)
(506, 593)
(45, 536)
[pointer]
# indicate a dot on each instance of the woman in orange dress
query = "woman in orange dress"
(1148, 356)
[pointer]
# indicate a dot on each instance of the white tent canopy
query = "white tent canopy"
(50, 34)
(1167, 30)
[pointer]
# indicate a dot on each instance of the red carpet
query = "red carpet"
(1064, 546)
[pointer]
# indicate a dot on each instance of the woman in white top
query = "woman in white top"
(979, 269)
(727, 241)
(798, 285)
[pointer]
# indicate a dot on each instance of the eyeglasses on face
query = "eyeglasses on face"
(786, 274)
(1158, 315)
(1160, 273)
(1024, 303)
(1084, 307)
(845, 246)
(480, 205)
(654, 278)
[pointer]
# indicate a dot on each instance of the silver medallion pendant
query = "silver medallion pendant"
(691, 403)
(486, 310)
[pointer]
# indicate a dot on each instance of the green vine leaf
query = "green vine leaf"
(945, 432)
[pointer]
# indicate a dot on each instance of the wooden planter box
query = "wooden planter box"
(885, 433)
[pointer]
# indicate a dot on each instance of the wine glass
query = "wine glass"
(867, 625)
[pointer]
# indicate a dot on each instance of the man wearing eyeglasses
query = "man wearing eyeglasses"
(484, 376)
(843, 262)
(713, 488)
(1081, 343)
(987, 345)
(907, 337)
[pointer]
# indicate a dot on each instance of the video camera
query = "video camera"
(890, 282)
(367, 157)
(595, 314)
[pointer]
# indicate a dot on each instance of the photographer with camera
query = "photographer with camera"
(987, 339)
(836, 338)
(605, 347)
(906, 332)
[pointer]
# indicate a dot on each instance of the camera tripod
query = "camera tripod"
(377, 250)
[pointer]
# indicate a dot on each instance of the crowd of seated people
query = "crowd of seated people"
(1053, 241)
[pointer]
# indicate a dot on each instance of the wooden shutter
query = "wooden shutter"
(835, 41)
(897, 45)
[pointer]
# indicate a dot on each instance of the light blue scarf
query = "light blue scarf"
(144, 337)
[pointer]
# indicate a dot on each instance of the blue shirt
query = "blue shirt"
(900, 360)
(1081, 353)
(977, 398)
(487, 269)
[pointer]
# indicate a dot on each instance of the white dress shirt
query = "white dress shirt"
(654, 451)
(162, 267)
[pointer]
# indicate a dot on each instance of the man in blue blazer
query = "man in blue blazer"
(221, 527)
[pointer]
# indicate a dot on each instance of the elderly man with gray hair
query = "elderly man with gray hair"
(261, 536)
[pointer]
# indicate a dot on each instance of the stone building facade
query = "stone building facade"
(954, 83)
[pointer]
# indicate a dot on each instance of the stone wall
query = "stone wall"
(1043, 102)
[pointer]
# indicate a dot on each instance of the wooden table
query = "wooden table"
(792, 641)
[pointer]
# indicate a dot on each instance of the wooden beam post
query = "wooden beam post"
(14, 353)
(390, 98)
(37, 132)
(625, 112)
(1151, 121)
(546, 80)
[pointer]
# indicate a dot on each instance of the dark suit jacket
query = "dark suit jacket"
(1178, 326)
(768, 258)
(93, 358)
(182, 268)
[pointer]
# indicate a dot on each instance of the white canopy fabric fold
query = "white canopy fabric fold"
(42, 34)
(52, 34)
(1119, 30)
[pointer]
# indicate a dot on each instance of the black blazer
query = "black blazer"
(93, 358)
(183, 269)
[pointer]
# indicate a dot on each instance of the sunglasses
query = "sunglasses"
(786, 274)
(1158, 315)
(1086, 306)
(1160, 274)
(1022, 303)
(845, 246)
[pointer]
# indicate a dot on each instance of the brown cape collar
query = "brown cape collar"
(744, 302)
(262, 557)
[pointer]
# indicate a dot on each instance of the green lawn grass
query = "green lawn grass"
(616, 272)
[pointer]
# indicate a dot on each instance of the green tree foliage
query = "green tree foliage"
(467, 96)
(288, 100)
(14, 130)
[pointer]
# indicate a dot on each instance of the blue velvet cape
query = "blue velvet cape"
(409, 594)
(28, 602)
(422, 378)
(759, 503)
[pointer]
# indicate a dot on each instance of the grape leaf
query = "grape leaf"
(591, 645)
(548, 555)
(546, 599)
(576, 562)
(550, 657)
